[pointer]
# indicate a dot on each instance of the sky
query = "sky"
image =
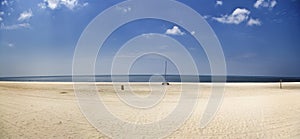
(258, 37)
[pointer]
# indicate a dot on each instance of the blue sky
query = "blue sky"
(258, 37)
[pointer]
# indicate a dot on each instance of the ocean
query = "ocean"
(147, 78)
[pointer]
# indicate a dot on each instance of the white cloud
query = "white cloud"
(85, 4)
(174, 31)
(258, 3)
(1, 13)
(265, 3)
(193, 32)
(25, 15)
(52, 4)
(71, 4)
(206, 16)
(15, 26)
(42, 5)
(5, 2)
(273, 3)
(11, 45)
(252, 22)
(219, 3)
(148, 35)
(123, 9)
(238, 16)
(55, 4)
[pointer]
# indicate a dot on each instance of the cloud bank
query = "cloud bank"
(25, 15)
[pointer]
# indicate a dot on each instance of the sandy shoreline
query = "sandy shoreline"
(248, 110)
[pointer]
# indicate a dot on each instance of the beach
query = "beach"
(248, 110)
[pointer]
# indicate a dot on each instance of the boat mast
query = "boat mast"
(165, 82)
(166, 64)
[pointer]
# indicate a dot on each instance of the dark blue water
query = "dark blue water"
(146, 78)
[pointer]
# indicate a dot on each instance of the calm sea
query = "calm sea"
(155, 78)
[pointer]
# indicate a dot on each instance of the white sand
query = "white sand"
(248, 110)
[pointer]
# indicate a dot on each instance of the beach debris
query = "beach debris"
(280, 84)
(122, 87)
(63, 92)
(165, 83)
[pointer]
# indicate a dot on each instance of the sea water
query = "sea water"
(147, 78)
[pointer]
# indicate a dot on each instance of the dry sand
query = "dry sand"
(248, 110)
